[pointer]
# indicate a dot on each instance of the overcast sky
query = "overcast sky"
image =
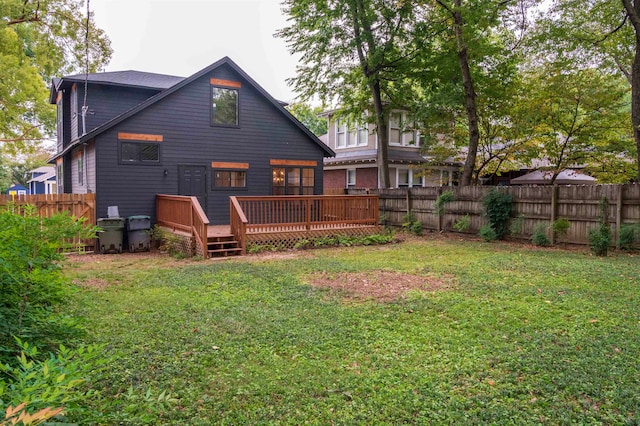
(181, 37)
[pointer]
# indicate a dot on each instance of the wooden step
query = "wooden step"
(222, 246)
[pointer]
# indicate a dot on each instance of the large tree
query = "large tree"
(38, 40)
(309, 116)
(468, 71)
(603, 33)
(581, 118)
(354, 53)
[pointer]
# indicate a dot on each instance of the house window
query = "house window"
(400, 131)
(59, 123)
(134, 152)
(292, 180)
(59, 176)
(80, 169)
(229, 178)
(351, 178)
(224, 106)
(341, 135)
(74, 113)
(407, 178)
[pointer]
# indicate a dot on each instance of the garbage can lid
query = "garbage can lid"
(138, 217)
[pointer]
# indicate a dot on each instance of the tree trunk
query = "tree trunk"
(382, 156)
(635, 102)
(633, 9)
(469, 95)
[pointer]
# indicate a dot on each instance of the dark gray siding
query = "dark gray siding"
(106, 102)
(183, 119)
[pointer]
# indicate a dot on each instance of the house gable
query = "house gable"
(146, 150)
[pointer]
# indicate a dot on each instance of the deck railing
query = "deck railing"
(291, 213)
(238, 223)
(184, 214)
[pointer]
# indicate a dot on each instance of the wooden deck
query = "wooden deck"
(278, 221)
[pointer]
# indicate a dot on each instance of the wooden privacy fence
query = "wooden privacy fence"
(46, 205)
(532, 205)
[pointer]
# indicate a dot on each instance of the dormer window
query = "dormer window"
(225, 95)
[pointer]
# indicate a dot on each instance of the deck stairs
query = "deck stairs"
(223, 245)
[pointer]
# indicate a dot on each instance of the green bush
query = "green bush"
(487, 233)
(56, 381)
(30, 280)
(600, 237)
(462, 224)
(539, 236)
(411, 224)
(517, 226)
(629, 238)
(441, 202)
(497, 205)
(560, 227)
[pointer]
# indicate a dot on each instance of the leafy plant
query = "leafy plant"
(55, 381)
(497, 205)
(462, 224)
(629, 238)
(20, 416)
(411, 224)
(600, 236)
(487, 233)
(30, 280)
(560, 227)
(441, 202)
(167, 241)
(517, 225)
(539, 236)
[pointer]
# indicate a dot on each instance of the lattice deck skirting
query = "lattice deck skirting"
(290, 239)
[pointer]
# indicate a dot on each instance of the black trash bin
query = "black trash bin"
(110, 238)
(138, 233)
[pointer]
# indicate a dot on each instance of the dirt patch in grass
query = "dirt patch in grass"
(381, 286)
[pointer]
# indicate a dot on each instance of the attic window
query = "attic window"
(224, 102)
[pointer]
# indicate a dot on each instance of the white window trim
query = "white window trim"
(349, 172)
(407, 136)
(414, 181)
(341, 129)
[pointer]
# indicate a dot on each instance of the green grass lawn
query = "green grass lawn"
(519, 336)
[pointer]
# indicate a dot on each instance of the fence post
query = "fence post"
(554, 211)
(619, 193)
(438, 216)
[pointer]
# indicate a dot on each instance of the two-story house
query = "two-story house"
(355, 164)
(127, 136)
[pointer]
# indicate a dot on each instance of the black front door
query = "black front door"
(192, 181)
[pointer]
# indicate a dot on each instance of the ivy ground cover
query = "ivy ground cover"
(497, 334)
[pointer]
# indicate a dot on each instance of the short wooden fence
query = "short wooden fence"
(46, 205)
(532, 205)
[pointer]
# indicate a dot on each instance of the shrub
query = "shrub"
(539, 236)
(56, 381)
(411, 224)
(517, 226)
(629, 238)
(600, 240)
(30, 279)
(441, 202)
(488, 233)
(560, 227)
(600, 237)
(497, 205)
(462, 224)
